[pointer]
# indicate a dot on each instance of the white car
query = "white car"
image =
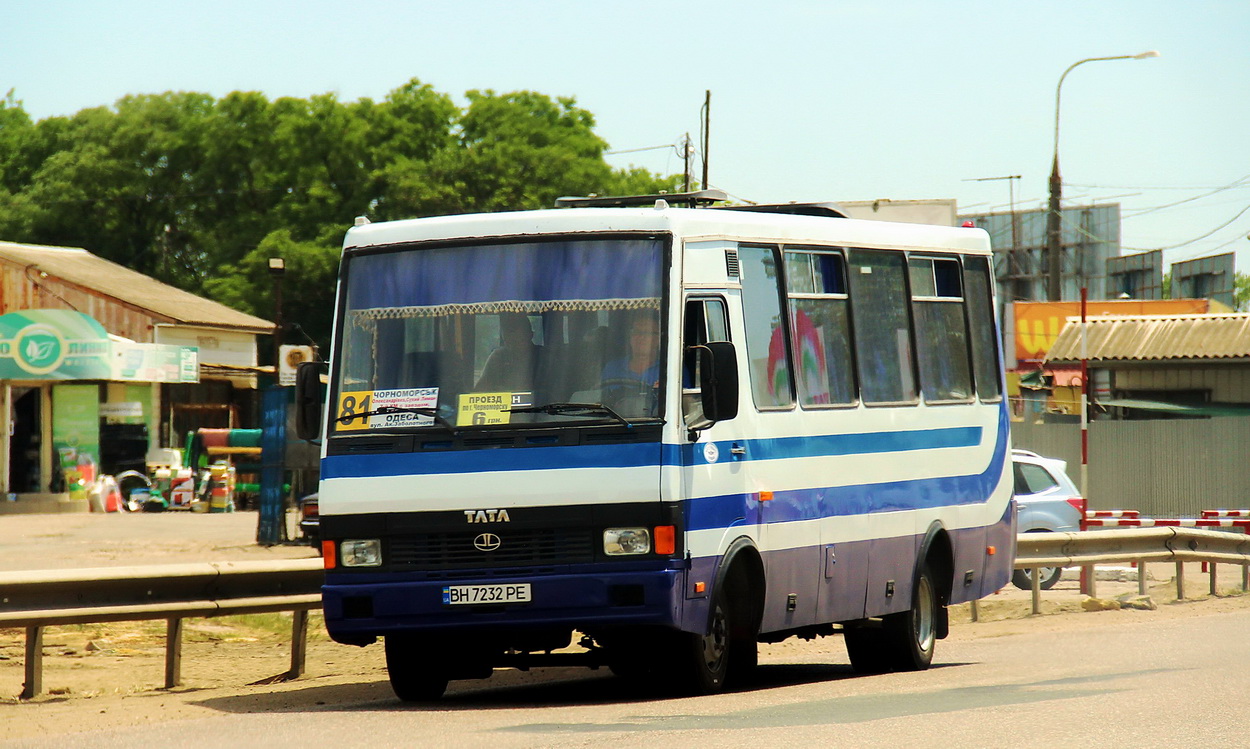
(1046, 501)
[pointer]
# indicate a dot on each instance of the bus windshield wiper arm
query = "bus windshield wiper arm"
(572, 409)
(399, 410)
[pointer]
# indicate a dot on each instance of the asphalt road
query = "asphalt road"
(1112, 681)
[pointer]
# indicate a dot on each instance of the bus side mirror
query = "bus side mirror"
(718, 379)
(308, 400)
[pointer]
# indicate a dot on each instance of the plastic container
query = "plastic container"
(182, 493)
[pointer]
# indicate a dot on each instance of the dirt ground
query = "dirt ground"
(111, 675)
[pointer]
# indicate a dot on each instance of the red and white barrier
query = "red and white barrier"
(1091, 514)
(1226, 513)
(1139, 522)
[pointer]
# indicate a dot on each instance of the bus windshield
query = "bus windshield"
(501, 334)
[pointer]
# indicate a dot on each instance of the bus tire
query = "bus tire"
(702, 660)
(867, 648)
(912, 634)
(415, 676)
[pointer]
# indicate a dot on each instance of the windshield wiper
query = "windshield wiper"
(572, 409)
(399, 410)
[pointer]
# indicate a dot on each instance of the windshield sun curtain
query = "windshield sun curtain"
(473, 335)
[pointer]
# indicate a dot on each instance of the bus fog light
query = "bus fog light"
(360, 552)
(622, 541)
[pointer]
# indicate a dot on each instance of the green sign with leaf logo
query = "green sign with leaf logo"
(59, 344)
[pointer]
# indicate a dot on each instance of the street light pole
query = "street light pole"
(1054, 220)
(277, 268)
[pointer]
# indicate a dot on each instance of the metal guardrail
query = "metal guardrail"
(1132, 546)
(38, 599)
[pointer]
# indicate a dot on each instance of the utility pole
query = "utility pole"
(685, 160)
(707, 130)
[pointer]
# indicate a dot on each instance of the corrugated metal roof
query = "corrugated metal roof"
(1155, 338)
(105, 277)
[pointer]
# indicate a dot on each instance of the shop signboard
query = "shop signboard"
(76, 435)
(52, 344)
(153, 362)
(1038, 323)
(57, 344)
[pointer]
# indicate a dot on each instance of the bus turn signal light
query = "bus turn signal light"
(665, 539)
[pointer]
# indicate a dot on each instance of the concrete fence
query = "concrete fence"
(1165, 468)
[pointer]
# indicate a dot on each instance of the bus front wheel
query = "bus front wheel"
(702, 660)
(416, 674)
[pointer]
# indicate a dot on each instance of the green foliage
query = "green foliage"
(1241, 292)
(200, 192)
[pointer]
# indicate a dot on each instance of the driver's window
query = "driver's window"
(705, 321)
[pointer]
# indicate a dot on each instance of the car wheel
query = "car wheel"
(1023, 579)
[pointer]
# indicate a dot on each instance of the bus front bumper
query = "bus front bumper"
(360, 607)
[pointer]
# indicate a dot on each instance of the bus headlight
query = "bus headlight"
(356, 552)
(624, 541)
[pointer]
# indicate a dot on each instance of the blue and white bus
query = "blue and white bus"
(668, 433)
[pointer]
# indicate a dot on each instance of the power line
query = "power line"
(637, 150)
(1232, 185)
(1235, 183)
(1240, 213)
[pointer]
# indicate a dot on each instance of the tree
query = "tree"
(311, 268)
(200, 192)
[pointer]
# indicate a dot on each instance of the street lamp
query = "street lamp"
(1054, 223)
(277, 267)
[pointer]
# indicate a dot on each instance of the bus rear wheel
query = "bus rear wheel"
(867, 648)
(903, 641)
(912, 634)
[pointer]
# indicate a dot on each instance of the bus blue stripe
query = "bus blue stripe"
(632, 456)
(723, 511)
(703, 513)
(838, 444)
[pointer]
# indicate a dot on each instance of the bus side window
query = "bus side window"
(705, 321)
(883, 353)
(820, 322)
(768, 350)
(981, 325)
(942, 351)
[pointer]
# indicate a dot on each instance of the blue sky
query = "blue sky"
(810, 100)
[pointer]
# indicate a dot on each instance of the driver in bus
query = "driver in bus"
(637, 375)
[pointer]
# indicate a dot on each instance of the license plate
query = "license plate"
(476, 595)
